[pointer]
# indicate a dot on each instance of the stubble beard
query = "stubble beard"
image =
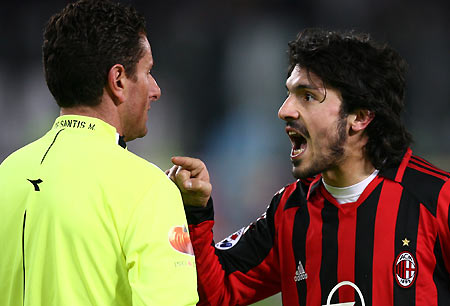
(334, 152)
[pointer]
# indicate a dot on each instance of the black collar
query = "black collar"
(122, 142)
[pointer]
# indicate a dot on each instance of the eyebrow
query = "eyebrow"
(303, 86)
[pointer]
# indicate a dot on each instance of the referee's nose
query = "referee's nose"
(154, 90)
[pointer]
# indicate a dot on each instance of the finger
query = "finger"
(171, 172)
(195, 165)
(188, 163)
(182, 177)
(200, 186)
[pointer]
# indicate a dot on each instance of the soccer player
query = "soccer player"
(366, 219)
(83, 221)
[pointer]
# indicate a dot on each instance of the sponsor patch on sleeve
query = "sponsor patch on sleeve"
(231, 240)
(180, 240)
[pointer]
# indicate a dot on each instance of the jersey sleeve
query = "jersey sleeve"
(242, 268)
(158, 251)
(443, 218)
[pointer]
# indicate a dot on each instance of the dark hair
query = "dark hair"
(83, 42)
(368, 76)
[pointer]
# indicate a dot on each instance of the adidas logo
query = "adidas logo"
(300, 274)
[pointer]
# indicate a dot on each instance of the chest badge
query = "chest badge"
(405, 269)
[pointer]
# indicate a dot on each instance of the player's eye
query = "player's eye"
(308, 97)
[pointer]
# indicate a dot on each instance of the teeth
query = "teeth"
(298, 151)
(290, 133)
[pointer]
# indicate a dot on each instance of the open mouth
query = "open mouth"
(299, 144)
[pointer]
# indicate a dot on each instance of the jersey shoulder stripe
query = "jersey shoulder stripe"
(424, 181)
(425, 163)
(424, 166)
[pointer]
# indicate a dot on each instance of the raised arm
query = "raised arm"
(239, 270)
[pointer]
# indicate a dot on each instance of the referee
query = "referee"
(82, 220)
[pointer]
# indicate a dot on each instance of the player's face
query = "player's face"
(141, 92)
(314, 123)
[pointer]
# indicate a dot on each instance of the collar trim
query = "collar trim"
(85, 124)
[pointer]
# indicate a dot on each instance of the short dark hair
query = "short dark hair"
(368, 76)
(83, 42)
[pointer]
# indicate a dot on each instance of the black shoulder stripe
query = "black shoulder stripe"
(54, 139)
(430, 165)
(431, 169)
(416, 158)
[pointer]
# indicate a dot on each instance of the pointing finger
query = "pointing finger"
(189, 163)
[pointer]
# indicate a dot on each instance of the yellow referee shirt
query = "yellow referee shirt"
(85, 222)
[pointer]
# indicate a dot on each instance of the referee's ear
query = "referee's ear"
(115, 84)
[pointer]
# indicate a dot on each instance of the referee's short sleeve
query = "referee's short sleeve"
(157, 249)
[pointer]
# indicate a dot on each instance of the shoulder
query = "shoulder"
(131, 184)
(28, 154)
(291, 195)
(425, 176)
(424, 180)
(139, 170)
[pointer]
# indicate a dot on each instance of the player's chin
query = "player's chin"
(296, 170)
(302, 171)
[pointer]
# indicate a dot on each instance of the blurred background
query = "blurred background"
(222, 68)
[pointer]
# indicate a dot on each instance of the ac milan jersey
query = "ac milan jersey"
(391, 247)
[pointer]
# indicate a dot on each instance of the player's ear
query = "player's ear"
(116, 83)
(360, 119)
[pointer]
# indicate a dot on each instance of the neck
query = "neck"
(348, 175)
(353, 167)
(104, 111)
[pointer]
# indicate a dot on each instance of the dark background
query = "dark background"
(222, 68)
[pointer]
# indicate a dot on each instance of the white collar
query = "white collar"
(351, 193)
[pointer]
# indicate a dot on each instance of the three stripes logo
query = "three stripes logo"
(300, 273)
(405, 269)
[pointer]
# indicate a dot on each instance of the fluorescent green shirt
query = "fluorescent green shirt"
(85, 222)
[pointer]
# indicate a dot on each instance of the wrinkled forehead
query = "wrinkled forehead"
(304, 77)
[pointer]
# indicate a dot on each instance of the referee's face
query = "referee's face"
(142, 90)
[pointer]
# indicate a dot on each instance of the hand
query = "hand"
(192, 178)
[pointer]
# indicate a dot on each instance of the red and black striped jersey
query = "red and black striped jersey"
(393, 243)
